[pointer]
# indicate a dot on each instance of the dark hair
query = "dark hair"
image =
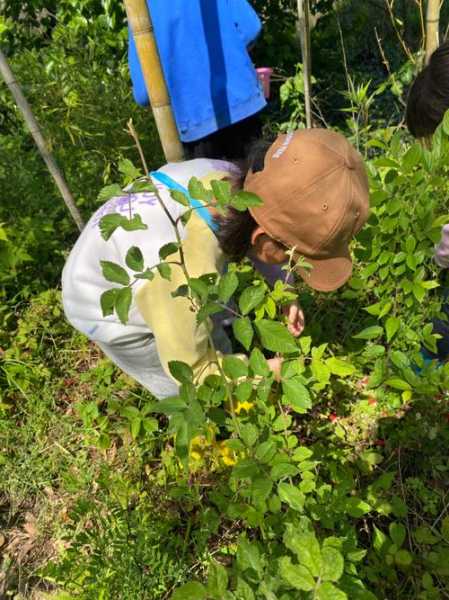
(236, 227)
(428, 98)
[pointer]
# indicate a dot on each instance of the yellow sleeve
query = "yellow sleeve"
(172, 320)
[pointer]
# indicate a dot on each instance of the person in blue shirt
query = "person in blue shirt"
(213, 85)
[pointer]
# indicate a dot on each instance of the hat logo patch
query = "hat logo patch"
(280, 151)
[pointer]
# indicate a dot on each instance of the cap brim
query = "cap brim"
(328, 274)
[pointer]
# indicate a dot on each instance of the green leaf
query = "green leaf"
(201, 289)
(170, 406)
(126, 167)
(424, 535)
(400, 360)
(275, 336)
(134, 259)
(369, 333)
(167, 250)
(251, 298)
(198, 191)
(265, 451)
(328, 591)
(243, 332)
(249, 433)
(227, 286)
(109, 223)
(182, 438)
(234, 367)
(141, 187)
(340, 367)
(297, 395)
(410, 244)
(291, 495)
(403, 558)
(296, 576)
(397, 533)
(180, 197)
(222, 192)
(134, 224)
(123, 300)
(136, 425)
(190, 591)
(418, 291)
(412, 157)
(258, 363)
(107, 302)
(332, 564)
(398, 384)
(248, 556)
(392, 327)
(244, 200)
(243, 591)
(114, 272)
(355, 507)
(302, 453)
(164, 271)
(181, 371)
(320, 371)
(380, 541)
(306, 547)
(217, 580)
(281, 470)
(110, 191)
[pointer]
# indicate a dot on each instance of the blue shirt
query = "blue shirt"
(209, 74)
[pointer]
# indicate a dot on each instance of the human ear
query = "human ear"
(256, 236)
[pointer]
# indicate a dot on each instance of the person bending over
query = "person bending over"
(315, 199)
(427, 103)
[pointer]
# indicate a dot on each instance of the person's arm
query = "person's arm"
(246, 20)
(172, 320)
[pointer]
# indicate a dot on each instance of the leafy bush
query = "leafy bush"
(81, 97)
(319, 497)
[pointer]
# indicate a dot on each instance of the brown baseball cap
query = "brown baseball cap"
(315, 196)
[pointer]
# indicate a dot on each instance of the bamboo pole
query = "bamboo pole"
(304, 33)
(35, 131)
(432, 27)
(142, 31)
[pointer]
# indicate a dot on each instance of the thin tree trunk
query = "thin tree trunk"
(304, 32)
(143, 33)
(432, 27)
(35, 131)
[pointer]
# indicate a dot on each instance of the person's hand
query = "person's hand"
(275, 365)
(441, 255)
(295, 317)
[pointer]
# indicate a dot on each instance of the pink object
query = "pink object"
(442, 249)
(264, 74)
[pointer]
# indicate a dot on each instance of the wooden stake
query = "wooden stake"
(35, 131)
(304, 32)
(432, 27)
(142, 30)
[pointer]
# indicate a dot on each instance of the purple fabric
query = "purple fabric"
(272, 273)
